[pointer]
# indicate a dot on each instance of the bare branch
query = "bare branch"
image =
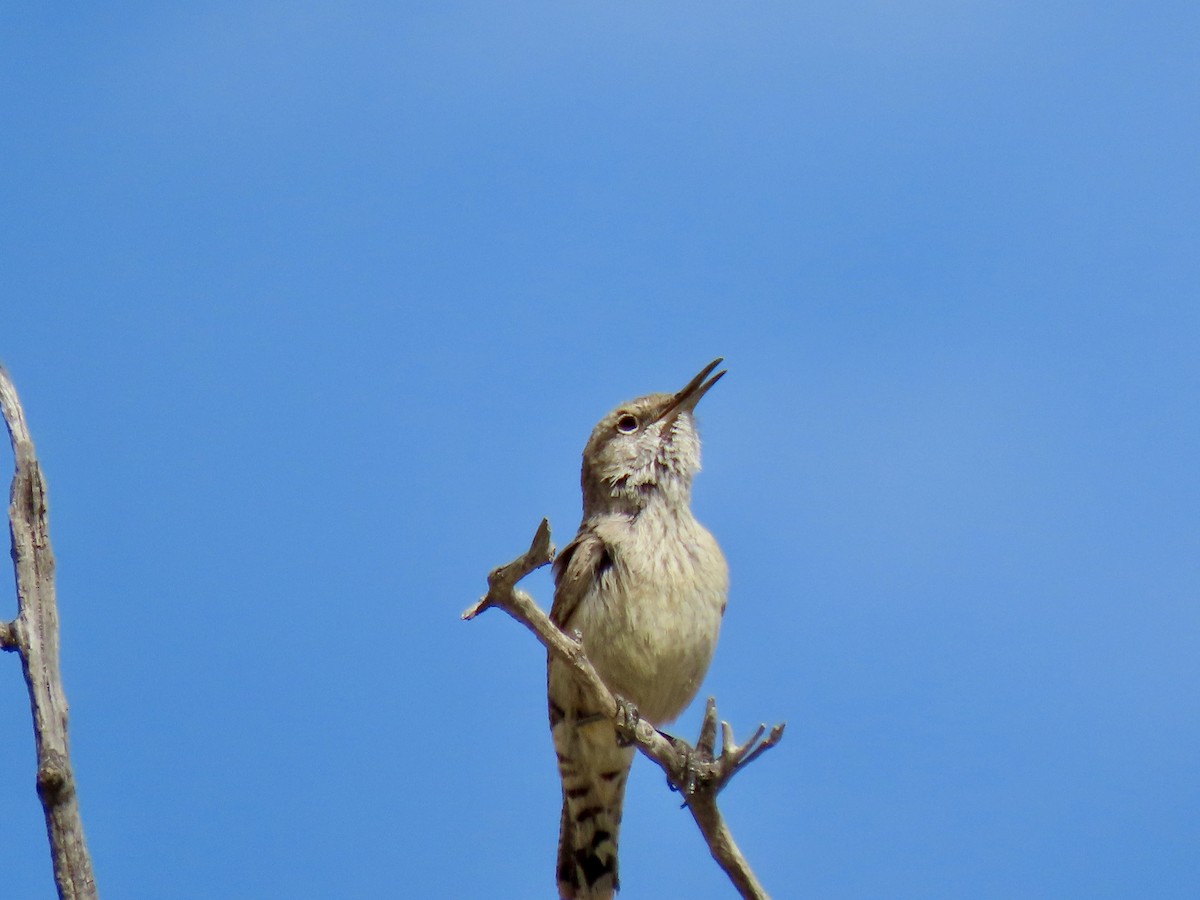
(34, 636)
(699, 773)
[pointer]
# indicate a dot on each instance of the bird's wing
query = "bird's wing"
(576, 570)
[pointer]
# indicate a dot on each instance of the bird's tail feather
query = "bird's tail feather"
(594, 769)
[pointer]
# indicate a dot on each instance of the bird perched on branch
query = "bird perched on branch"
(644, 584)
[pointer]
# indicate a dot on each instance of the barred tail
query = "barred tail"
(594, 769)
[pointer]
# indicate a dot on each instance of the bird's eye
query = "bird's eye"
(627, 424)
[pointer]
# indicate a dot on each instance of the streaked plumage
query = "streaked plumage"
(645, 585)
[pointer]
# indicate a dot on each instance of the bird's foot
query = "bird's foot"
(627, 721)
(690, 768)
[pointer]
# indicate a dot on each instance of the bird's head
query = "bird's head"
(645, 449)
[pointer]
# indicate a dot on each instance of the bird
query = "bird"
(643, 585)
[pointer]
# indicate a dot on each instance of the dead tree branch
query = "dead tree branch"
(34, 636)
(698, 773)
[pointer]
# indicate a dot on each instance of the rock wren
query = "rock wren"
(644, 583)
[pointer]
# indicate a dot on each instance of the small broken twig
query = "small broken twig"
(698, 773)
(34, 637)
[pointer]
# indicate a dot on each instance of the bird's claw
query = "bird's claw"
(627, 721)
(689, 767)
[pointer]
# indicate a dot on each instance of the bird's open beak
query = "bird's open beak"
(686, 399)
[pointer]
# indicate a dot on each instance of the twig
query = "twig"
(34, 636)
(699, 773)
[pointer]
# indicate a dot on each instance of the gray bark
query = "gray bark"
(698, 773)
(33, 635)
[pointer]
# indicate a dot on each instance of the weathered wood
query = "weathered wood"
(698, 773)
(34, 637)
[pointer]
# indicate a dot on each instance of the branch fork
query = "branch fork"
(699, 773)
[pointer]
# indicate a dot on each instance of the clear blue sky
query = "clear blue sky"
(313, 305)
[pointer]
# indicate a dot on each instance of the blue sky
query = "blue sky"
(312, 307)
